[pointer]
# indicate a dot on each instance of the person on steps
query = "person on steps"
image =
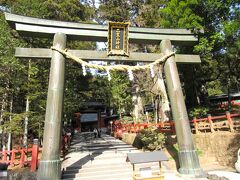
(95, 131)
(99, 132)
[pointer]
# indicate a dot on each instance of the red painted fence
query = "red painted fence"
(215, 123)
(21, 157)
(228, 121)
(119, 129)
(30, 156)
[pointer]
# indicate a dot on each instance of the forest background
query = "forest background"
(24, 82)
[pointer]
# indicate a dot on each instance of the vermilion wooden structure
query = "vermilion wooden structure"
(22, 156)
(227, 122)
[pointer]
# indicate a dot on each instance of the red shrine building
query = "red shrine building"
(93, 115)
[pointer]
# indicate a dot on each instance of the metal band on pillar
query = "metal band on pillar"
(188, 159)
(50, 165)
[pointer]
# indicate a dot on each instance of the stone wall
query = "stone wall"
(221, 145)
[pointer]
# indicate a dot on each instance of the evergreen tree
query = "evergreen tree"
(114, 10)
(35, 87)
(210, 16)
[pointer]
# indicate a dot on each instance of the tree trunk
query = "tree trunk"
(4, 104)
(9, 143)
(25, 137)
(161, 103)
(137, 102)
(1, 118)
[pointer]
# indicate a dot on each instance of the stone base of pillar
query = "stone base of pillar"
(49, 170)
(189, 163)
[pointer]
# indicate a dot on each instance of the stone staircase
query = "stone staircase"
(104, 158)
(101, 158)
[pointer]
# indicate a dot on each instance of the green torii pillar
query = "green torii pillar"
(188, 159)
(50, 164)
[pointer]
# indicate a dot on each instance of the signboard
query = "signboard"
(118, 38)
(89, 117)
(145, 172)
(149, 108)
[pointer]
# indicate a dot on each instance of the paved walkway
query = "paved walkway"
(104, 159)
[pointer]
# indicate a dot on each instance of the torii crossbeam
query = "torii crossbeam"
(50, 166)
(35, 27)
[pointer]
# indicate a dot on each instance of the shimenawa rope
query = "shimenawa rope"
(118, 67)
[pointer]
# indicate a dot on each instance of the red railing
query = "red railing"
(29, 156)
(210, 123)
(135, 128)
(22, 156)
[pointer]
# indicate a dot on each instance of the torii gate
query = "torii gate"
(50, 165)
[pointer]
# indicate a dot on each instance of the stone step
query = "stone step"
(99, 142)
(101, 159)
(99, 162)
(105, 178)
(117, 151)
(107, 145)
(110, 148)
(108, 156)
(91, 147)
(80, 140)
(83, 139)
(84, 163)
(98, 172)
(79, 155)
(97, 145)
(97, 169)
(96, 166)
(107, 153)
(111, 176)
(104, 151)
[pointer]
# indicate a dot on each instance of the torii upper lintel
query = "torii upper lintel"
(36, 27)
